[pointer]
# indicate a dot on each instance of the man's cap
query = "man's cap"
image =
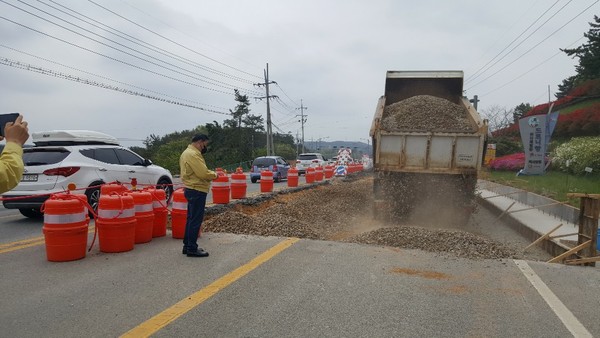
(199, 137)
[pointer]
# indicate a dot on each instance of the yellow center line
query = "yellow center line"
(26, 243)
(180, 308)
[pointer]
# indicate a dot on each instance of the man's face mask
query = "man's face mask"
(204, 149)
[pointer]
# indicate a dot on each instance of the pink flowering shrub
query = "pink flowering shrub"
(512, 162)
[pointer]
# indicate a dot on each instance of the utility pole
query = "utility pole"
(474, 101)
(302, 120)
(270, 147)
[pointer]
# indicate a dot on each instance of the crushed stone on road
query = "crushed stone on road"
(342, 211)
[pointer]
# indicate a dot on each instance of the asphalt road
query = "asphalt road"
(271, 287)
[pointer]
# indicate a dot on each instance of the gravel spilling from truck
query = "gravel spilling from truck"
(342, 211)
(426, 113)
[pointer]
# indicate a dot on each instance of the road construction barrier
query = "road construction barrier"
(310, 175)
(116, 223)
(238, 184)
(292, 177)
(266, 181)
(159, 208)
(178, 213)
(144, 215)
(220, 188)
(108, 188)
(329, 170)
(318, 174)
(65, 227)
(340, 170)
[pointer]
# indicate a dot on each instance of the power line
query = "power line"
(112, 58)
(172, 41)
(286, 95)
(133, 39)
(109, 79)
(188, 35)
(530, 70)
(539, 43)
(526, 29)
(40, 70)
(500, 36)
(122, 51)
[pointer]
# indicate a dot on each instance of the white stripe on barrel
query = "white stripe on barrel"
(65, 218)
(143, 207)
(180, 205)
(110, 213)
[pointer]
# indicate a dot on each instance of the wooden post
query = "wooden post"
(541, 238)
(589, 212)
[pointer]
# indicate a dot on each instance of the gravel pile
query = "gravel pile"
(457, 243)
(342, 211)
(426, 113)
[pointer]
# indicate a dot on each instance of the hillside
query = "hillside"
(579, 113)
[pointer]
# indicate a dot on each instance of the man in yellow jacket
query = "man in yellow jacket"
(11, 161)
(196, 178)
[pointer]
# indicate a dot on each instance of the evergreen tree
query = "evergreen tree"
(520, 111)
(589, 59)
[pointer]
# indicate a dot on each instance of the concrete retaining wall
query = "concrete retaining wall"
(562, 211)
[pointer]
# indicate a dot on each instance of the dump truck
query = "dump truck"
(428, 146)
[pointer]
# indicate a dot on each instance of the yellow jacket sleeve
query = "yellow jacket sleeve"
(11, 166)
(194, 172)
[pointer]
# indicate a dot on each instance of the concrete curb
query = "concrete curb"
(536, 222)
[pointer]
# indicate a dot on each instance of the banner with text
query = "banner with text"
(533, 135)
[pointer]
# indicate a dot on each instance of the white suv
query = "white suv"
(85, 158)
(309, 160)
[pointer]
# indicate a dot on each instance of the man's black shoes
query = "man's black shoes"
(198, 253)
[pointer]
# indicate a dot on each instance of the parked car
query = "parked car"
(86, 158)
(307, 160)
(277, 164)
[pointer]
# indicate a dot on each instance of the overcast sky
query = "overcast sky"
(332, 55)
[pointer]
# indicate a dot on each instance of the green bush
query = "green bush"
(581, 152)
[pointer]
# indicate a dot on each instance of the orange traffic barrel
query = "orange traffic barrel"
(310, 175)
(292, 177)
(178, 213)
(318, 174)
(220, 188)
(266, 181)
(329, 171)
(144, 214)
(65, 227)
(238, 184)
(116, 223)
(107, 188)
(159, 208)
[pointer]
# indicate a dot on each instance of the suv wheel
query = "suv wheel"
(254, 180)
(278, 178)
(93, 197)
(167, 186)
(31, 213)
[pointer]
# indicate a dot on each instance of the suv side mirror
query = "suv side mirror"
(147, 162)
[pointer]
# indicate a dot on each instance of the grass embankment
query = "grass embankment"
(555, 185)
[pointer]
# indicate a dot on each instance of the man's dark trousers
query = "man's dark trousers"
(195, 213)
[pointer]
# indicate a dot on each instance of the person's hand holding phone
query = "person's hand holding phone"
(16, 132)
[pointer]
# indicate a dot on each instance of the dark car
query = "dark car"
(277, 164)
